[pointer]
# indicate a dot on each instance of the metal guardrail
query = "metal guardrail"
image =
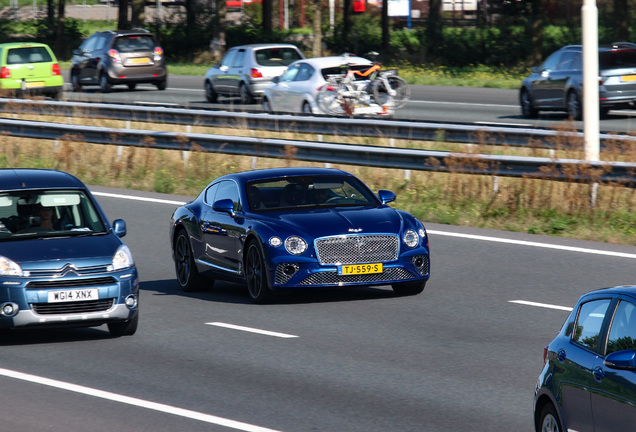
(383, 157)
(380, 128)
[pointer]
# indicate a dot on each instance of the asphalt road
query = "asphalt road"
(458, 357)
(428, 103)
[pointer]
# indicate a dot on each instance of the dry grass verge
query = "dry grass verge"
(514, 204)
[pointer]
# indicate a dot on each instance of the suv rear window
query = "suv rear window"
(28, 55)
(126, 44)
(617, 59)
(276, 56)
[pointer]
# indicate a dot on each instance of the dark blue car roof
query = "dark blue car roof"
(629, 290)
(27, 178)
(247, 176)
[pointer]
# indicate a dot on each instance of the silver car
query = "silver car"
(296, 91)
(557, 85)
(246, 70)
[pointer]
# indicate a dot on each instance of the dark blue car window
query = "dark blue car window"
(228, 190)
(589, 322)
(622, 335)
(210, 193)
(308, 191)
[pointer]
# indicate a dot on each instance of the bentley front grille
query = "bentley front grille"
(357, 249)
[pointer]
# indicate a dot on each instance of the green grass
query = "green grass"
(478, 76)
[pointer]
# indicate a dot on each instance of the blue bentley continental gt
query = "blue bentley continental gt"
(297, 228)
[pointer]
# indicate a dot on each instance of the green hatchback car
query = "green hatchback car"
(29, 69)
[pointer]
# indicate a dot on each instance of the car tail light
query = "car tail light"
(256, 73)
(158, 53)
(55, 70)
(545, 354)
(5, 72)
(114, 54)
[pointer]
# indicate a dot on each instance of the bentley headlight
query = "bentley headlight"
(411, 238)
(295, 245)
(123, 258)
(9, 267)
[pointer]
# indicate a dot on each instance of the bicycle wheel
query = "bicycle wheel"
(329, 98)
(395, 96)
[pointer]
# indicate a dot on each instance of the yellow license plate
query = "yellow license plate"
(625, 78)
(356, 269)
(141, 60)
(34, 84)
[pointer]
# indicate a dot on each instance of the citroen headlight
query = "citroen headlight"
(411, 238)
(295, 245)
(9, 267)
(123, 258)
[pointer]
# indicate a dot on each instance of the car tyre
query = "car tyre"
(255, 274)
(126, 328)
(267, 106)
(161, 85)
(132, 86)
(603, 112)
(210, 93)
(408, 288)
(548, 420)
(574, 105)
(246, 96)
(188, 276)
(306, 109)
(527, 106)
(104, 85)
(75, 84)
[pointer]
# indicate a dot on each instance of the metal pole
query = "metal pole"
(589, 17)
(332, 13)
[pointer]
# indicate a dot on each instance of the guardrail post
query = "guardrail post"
(185, 154)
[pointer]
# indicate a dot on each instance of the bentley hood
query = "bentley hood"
(341, 220)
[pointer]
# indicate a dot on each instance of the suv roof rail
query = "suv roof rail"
(623, 45)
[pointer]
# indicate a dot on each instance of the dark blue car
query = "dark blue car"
(61, 263)
(588, 382)
(297, 228)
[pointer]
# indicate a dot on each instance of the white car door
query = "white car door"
(299, 87)
(280, 90)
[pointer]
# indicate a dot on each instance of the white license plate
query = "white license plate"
(73, 295)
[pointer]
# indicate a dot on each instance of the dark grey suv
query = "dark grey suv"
(557, 85)
(112, 57)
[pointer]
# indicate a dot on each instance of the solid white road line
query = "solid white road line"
(137, 198)
(534, 244)
(543, 305)
(135, 402)
(251, 330)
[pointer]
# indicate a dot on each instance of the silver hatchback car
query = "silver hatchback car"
(246, 70)
(557, 85)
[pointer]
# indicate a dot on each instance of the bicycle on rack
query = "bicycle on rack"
(357, 90)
